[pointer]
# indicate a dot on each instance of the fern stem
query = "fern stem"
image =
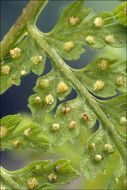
(29, 15)
(8, 179)
(68, 74)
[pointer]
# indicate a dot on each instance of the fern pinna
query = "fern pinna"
(100, 87)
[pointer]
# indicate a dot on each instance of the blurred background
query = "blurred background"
(15, 99)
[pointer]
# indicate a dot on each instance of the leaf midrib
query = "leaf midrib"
(66, 71)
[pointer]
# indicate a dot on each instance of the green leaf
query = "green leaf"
(77, 106)
(97, 149)
(115, 109)
(74, 30)
(25, 56)
(16, 135)
(118, 180)
(103, 76)
(74, 9)
(121, 13)
(48, 92)
(69, 120)
(40, 175)
(40, 109)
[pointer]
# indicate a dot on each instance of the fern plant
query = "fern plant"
(100, 88)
